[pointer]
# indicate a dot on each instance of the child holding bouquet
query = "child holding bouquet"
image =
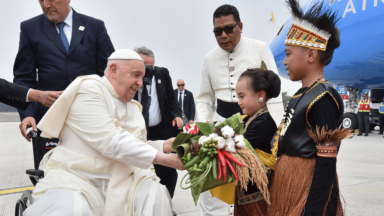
(254, 88)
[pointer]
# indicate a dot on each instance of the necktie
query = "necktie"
(181, 100)
(63, 36)
(145, 102)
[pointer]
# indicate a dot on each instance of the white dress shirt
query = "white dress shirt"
(68, 27)
(154, 108)
(182, 98)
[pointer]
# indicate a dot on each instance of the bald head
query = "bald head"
(180, 84)
(126, 77)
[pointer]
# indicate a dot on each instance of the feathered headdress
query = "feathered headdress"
(312, 29)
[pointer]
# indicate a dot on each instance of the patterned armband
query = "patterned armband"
(327, 141)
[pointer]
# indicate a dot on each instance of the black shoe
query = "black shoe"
(174, 213)
(359, 134)
(366, 135)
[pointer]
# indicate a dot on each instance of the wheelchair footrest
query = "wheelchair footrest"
(37, 173)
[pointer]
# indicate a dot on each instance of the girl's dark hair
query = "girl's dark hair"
(260, 79)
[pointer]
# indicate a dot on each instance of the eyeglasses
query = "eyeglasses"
(228, 30)
(180, 85)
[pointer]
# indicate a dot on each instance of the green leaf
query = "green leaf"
(239, 130)
(180, 139)
(194, 139)
(204, 128)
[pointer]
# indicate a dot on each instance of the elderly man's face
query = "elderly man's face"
(128, 78)
(148, 60)
(55, 10)
(228, 41)
(180, 85)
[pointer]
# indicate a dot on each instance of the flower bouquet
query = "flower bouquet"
(217, 155)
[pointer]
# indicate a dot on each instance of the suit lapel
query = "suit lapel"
(159, 89)
(50, 31)
(77, 35)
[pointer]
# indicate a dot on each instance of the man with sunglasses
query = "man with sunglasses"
(186, 101)
(223, 66)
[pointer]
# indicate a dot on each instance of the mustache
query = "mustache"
(50, 9)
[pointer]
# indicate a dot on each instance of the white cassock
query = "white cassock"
(221, 71)
(101, 166)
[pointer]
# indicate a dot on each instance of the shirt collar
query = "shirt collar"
(69, 20)
(237, 46)
(181, 91)
(110, 87)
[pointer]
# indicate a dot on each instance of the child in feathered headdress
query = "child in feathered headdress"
(306, 144)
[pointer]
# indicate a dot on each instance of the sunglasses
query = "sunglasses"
(228, 30)
(180, 85)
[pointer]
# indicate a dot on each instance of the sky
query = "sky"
(179, 32)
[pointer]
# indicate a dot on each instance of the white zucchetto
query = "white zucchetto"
(125, 54)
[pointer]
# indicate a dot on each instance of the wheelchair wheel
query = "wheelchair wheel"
(23, 203)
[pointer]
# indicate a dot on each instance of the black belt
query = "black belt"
(227, 109)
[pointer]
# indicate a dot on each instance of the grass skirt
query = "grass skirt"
(290, 186)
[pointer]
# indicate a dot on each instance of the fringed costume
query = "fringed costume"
(305, 180)
(259, 130)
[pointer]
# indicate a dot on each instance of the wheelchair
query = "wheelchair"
(40, 147)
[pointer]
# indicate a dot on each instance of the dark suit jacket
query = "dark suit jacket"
(188, 103)
(169, 106)
(13, 94)
(41, 50)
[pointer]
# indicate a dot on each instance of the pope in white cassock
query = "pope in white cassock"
(223, 66)
(101, 166)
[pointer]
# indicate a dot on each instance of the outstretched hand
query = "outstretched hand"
(47, 98)
(167, 145)
(179, 122)
(169, 160)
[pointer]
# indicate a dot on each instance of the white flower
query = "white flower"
(203, 139)
(227, 132)
(230, 143)
(213, 135)
(230, 149)
(239, 141)
(220, 142)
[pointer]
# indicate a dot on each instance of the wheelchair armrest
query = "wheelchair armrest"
(36, 173)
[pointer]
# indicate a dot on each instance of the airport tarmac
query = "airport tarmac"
(360, 169)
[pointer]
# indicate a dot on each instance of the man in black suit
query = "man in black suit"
(161, 110)
(55, 48)
(20, 96)
(186, 101)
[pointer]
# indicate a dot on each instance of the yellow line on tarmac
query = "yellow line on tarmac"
(15, 190)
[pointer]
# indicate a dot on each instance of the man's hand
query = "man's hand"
(25, 124)
(47, 98)
(179, 123)
(191, 121)
(169, 160)
(167, 145)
